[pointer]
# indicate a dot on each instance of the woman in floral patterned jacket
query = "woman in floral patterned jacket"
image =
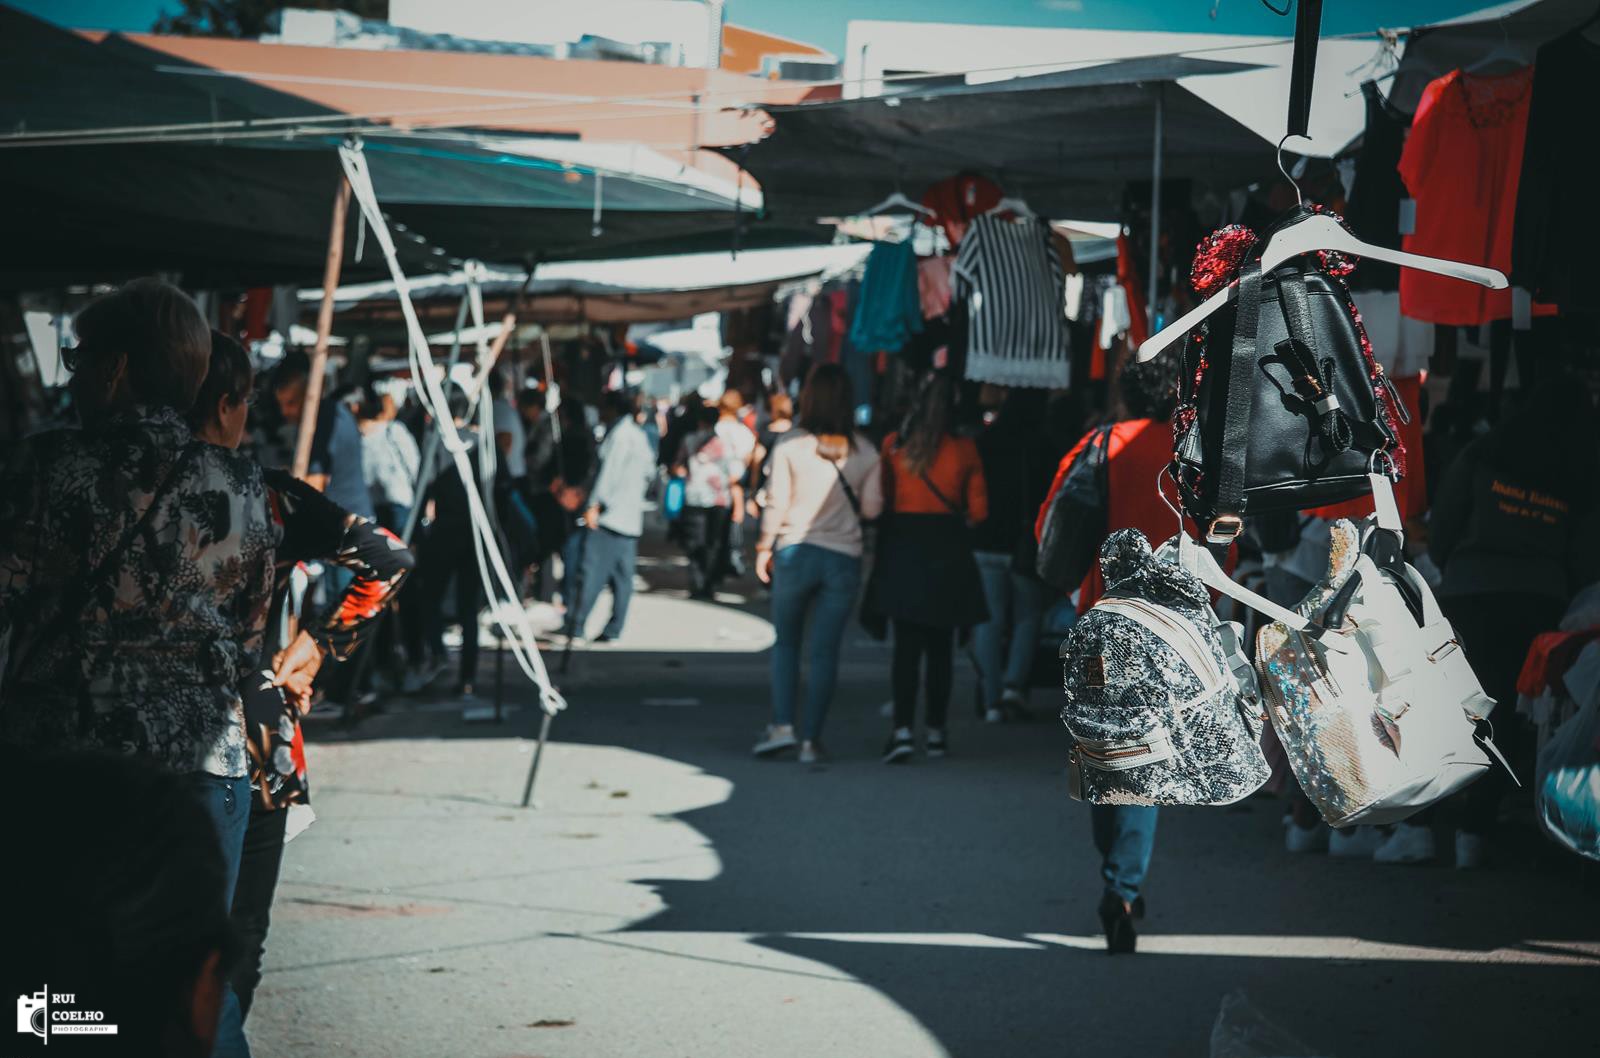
(136, 568)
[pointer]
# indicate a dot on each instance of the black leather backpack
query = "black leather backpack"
(1282, 404)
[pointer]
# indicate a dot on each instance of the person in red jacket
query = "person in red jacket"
(1139, 447)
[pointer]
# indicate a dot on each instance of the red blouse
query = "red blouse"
(1462, 163)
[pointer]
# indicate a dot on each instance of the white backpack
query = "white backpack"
(1376, 710)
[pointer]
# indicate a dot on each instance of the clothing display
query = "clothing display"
(959, 199)
(933, 285)
(1011, 279)
(1462, 164)
(889, 308)
(1372, 208)
(1557, 230)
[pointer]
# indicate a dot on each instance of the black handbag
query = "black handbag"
(1075, 520)
(1282, 405)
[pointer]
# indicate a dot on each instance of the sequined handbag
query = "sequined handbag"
(1373, 700)
(1161, 702)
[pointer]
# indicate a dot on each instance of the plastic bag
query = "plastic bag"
(1567, 790)
(672, 499)
(1242, 1031)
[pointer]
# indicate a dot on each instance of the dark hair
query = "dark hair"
(496, 383)
(131, 940)
(456, 399)
(160, 331)
(230, 375)
(779, 406)
(927, 423)
(531, 398)
(295, 365)
(618, 403)
(827, 405)
(1150, 390)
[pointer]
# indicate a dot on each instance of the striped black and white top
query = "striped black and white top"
(1011, 277)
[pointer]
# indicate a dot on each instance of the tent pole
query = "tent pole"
(319, 355)
(1155, 208)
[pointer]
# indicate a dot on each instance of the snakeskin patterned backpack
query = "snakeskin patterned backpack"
(1161, 702)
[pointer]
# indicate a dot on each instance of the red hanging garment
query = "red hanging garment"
(1462, 163)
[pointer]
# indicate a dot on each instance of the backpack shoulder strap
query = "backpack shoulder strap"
(1226, 523)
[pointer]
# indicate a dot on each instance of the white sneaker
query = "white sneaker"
(775, 739)
(1407, 843)
(1470, 850)
(1354, 843)
(1297, 838)
(810, 752)
(993, 716)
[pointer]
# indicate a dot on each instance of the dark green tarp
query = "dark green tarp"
(1068, 142)
(237, 212)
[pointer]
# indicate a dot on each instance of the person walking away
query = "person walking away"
(1017, 477)
(613, 519)
(136, 569)
(1137, 448)
(780, 420)
(1513, 530)
(824, 485)
(927, 581)
(336, 466)
(709, 467)
(511, 476)
(311, 527)
(574, 472)
(449, 553)
(741, 441)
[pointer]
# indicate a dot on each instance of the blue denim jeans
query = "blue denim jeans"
(1003, 645)
(608, 559)
(807, 579)
(227, 801)
(1125, 836)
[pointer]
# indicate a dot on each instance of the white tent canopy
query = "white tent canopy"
(631, 290)
(1257, 99)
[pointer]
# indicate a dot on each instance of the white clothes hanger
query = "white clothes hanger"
(897, 203)
(1502, 52)
(1316, 232)
(1012, 205)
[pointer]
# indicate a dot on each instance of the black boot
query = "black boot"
(1117, 919)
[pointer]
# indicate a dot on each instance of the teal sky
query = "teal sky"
(822, 22)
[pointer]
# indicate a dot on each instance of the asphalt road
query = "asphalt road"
(671, 896)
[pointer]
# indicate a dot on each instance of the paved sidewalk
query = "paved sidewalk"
(671, 896)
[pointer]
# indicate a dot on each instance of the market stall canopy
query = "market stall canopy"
(1066, 142)
(1509, 30)
(637, 290)
(228, 183)
(1256, 97)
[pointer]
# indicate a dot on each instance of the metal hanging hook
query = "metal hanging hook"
(1299, 195)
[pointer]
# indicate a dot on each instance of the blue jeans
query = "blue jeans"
(809, 579)
(1016, 604)
(608, 559)
(1125, 836)
(571, 557)
(227, 802)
